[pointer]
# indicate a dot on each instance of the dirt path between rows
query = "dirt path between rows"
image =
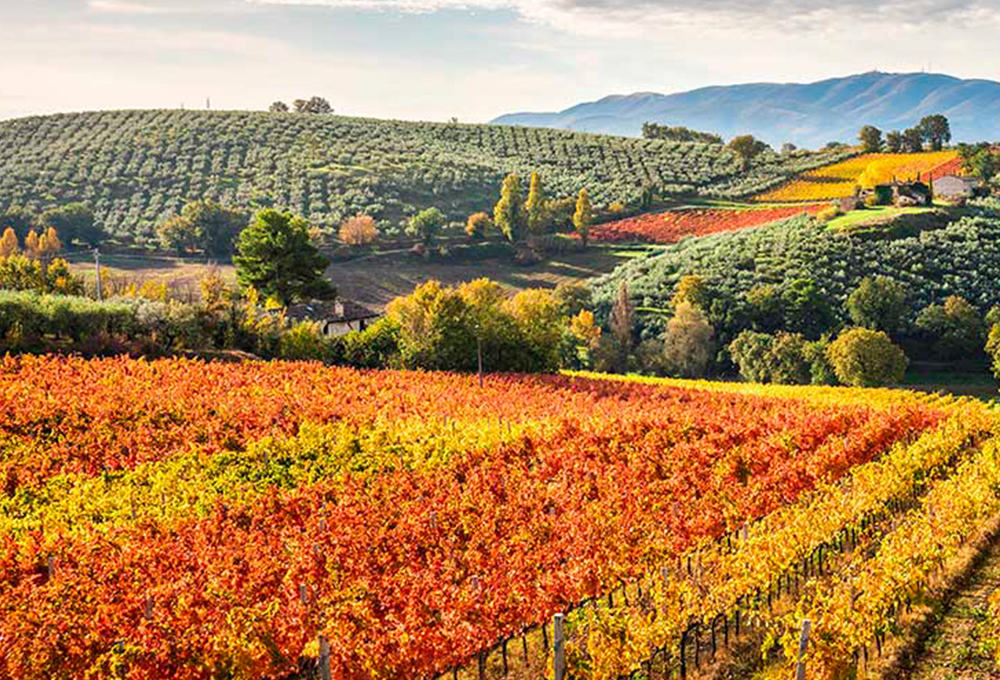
(957, 646)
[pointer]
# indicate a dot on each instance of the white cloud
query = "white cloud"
(126, 7)
(613, 18)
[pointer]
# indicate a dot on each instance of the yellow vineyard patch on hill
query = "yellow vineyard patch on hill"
(838, 180)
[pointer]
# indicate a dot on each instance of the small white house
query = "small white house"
(953, 186)
(336, 317)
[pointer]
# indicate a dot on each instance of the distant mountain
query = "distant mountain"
(808, 115)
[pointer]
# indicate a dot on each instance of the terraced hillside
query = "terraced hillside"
(134, 167)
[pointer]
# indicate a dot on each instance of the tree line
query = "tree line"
(932, 133)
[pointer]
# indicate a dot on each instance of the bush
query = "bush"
(359, 230)
(479, 225)
(375, 347)
(304, 342)
(827, 214)
(865, 358)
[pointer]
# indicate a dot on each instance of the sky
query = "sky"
(470, 59)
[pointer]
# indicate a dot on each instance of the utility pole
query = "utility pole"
(97, 261)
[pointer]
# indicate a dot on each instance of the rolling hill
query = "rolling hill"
(136, 167)
(809, 115)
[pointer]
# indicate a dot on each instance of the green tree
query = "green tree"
(993, 348)
(865, 358)
(73, 222)
(871, 139)
(583, 217)
(747, 147)
(806, 308)
(541, 325)
(573, 297)
(622, 321)
(694, 289)
(764, 308)
(784, 358)
(202, 225)
(913, 140)
(688, 343)
(315, 105)
(216, 226)
(894, 141)
(509, 213)
(177, 233)
(278, 107)
(935, 130)
(426, 225)
(980, 160)
(878, 304)
(537, 207)
(276, 257)
(954, 328)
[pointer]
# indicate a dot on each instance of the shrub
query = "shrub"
(359, 230)
(304, 342)
(479, 225)
(827, 214)
(426, 225)
(375, 347)
(865, 358)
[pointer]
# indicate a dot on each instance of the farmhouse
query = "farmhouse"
(336, 317)
(953, 186)
(900, 193)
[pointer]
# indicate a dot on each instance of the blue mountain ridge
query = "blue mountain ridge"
(807, 115)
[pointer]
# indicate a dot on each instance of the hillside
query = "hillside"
(957, 258)
(135, 167)
(809, 115)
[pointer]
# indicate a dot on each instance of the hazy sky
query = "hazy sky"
(474, 59)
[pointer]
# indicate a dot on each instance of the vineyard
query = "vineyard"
(187, 520)
(959, 258)
(672, 226)
(134, 168)
(839, 179)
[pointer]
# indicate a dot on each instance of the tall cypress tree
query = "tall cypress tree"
(583, 217)
(509, 214)
(537, 206)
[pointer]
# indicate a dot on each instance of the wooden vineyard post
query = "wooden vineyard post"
(800, 666)
(324, 658)
(559, 647)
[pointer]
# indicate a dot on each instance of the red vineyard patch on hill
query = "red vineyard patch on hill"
(952, 167)
(670, 227)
